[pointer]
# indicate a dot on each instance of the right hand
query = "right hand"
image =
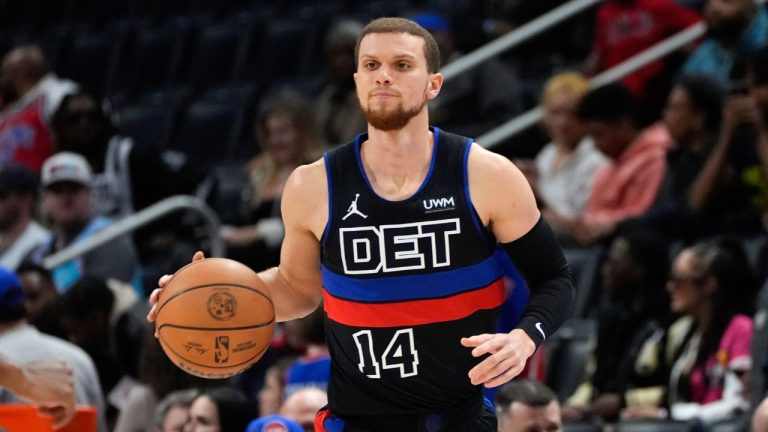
(50, 386)
(152, 315)
(737, 111)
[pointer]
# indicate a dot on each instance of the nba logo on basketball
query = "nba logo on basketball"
(221, 353)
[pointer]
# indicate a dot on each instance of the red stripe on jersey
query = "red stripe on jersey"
(414, 312)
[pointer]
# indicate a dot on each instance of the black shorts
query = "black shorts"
(484, 420)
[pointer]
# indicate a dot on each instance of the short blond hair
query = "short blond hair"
(573, 83)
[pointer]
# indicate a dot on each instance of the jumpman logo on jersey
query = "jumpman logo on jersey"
(353, 209)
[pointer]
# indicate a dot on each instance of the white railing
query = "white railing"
(139, 219)
(528, 119)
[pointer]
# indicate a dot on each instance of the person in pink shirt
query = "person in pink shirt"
(627, 186)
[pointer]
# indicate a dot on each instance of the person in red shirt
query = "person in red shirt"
(624, 28)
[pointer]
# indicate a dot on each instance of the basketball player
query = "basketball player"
(398, 232)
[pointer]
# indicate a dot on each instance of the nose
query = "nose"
(383, 75)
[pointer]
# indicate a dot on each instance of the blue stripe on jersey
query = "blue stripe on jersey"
(472, 211)
(358, 146)
(412, 287)
(327, 161)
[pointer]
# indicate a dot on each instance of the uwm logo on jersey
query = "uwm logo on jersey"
(391, 248)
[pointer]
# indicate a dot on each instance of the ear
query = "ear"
(435, 84)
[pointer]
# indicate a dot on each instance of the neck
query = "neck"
(397, 162)
(703, 316)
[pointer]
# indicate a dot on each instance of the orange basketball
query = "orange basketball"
(215, 318)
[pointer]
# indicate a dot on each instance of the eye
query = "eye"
(402, 65)
(370, 65)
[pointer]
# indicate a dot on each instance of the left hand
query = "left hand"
(509, 352)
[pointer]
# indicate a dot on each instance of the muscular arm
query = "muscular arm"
(296, 285)
(511, 214)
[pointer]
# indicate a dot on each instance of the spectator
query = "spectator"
(711, 285)
(478, 99)
(220, 409)
(736, 28)
(49, 385)
(172, 413)
(302, 406)
(96, 318)
(272, 394)
(20, 234)
(336, 107)
(636, 306)
(21, 343)
(692, 116)
(566, 167)
(274, 423)
(628, 186)
(313, 369)
(29, 94)
(760, 417)
(285, 130)
(527, 406)
(82, 126)
(733, 184)
(67, 200)
(41, 299)
(624, 28)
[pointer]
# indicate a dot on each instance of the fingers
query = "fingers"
(61, 416)
(474, 341)
(163, 281)
(199, 255)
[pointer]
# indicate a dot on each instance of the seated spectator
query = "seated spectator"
(336, 107)
(219, 409)
(712, 286)
(67, 180)
(271, 395)
(41, 299)
(285, 130)
(274, 423)
(732, 188)
(126, 177)
(21, 343)
(313, 369)
(527, 406)
(20, 234)
(96, 318)
(624, 28)
(635, 307)
(736, 28)
(303, 405)
(29, 95)
(172, 413)
(692, 116)
(565, 168)
(628, 185)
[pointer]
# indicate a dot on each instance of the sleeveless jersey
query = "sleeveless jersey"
(403, 281)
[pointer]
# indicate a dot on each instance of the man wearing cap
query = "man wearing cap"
(20, 234)
(67, 203)
(22, 343)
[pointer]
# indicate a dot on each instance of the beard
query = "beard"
(391, 120)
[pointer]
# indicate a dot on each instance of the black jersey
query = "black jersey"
(403, 281)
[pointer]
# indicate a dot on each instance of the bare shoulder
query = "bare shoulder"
(305, 197)
(502, 196)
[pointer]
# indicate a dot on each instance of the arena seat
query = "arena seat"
(568, 352)
(25, 418)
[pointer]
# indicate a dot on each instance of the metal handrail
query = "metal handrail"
(516, 37)
(531, 117)
(139, 219)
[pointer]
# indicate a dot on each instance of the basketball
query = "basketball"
(215, 318)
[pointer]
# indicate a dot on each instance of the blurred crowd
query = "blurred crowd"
(656, 185)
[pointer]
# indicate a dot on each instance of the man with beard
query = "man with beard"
(398, 233)
(29, 94)
(20, 234)
(735, 28)
(733, 184)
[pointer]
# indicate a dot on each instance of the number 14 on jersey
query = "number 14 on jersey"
(399, 354)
